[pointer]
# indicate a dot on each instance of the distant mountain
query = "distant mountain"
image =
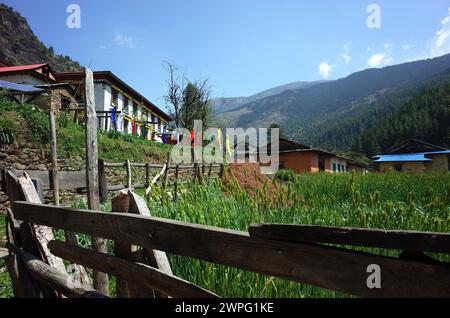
(226, 104)
(308, 114)
(19, 45)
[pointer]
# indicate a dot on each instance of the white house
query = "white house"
(134, 113)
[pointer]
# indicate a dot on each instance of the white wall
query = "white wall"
(341, 162)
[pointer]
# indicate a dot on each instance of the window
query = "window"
(126, 104)
(334, 167)
(398, 168)
(135, 110)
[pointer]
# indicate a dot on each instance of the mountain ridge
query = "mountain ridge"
(20, 46)
(301, 112)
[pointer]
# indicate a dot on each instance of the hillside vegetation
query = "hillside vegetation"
(27, 125)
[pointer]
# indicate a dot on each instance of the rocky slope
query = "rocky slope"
(19, 45)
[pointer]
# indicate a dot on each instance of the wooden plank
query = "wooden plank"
(12, 186)
(124, 287)
(41, 234)
(177, 176)
(158, 259)
(147, 175)
(114, 165)
(222, 171)
(66, 179)
(138, 165)
(128, 167)
(54, 157)
(402, 240)
(323, 266)
(138, 273)
(120, 203)
(166, 174)
(98, 244)
(103, 182)
(53, 278)
(22, 284)
(39, 188)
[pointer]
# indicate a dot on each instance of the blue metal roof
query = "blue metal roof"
(19, 87)
(410, 157)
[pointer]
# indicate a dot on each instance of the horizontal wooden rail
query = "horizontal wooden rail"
(53, 278)
(402, 240)
(131, 271)
(155, 166)
(323, 266)
(67, 179)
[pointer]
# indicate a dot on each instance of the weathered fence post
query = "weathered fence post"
(222, 170)
(102, 181)
(98, 244)
(210, 171)
(54, 171)
(177, 173)
(166, 176)
(147, 174)
(128, 167)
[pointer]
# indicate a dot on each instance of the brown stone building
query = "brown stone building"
(301, 159)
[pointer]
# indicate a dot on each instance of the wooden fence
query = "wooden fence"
(292, 252)
(76, 180)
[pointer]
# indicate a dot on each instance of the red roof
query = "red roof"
(21, 68)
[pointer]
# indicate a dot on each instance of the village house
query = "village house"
(303, 159)
(36, 84)
(126, 110)
(414, 156)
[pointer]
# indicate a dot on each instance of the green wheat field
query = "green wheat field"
(387, 201)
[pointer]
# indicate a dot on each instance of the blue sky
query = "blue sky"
(243, 46)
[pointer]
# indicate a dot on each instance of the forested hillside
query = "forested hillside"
(344, 114)
(421, 112)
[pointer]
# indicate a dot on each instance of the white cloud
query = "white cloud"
(345, 55)
(377, 60)
(440, 44)
(124, 41)
(103, 47)
(325, 69)
(407, 47)
(382, 59)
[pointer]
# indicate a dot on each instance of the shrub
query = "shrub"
(37, 123)
(8, 130)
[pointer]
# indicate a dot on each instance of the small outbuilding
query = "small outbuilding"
(414, 156)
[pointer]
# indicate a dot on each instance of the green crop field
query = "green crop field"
(387, 201)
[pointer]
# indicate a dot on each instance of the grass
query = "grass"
(387, 201)
(5, 281)
(113, 146)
